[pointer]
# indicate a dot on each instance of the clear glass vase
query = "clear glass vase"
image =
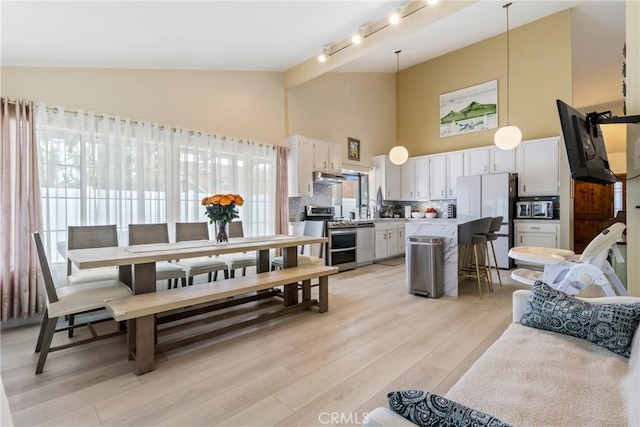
(221, 236)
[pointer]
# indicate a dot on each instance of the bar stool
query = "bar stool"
(472, 236)
(496, 223)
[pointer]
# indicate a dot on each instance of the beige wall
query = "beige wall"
(336, 106)
(242, 104)
(540, 73)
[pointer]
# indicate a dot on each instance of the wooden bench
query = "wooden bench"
(140, 310)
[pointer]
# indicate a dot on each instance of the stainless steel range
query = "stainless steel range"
(340, 250)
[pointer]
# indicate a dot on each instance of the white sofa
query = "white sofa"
(532, 377)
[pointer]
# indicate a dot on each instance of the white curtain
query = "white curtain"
(97, 169)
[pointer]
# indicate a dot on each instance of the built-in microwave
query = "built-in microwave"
(523, 210)
(542, 210)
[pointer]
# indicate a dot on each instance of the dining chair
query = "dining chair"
(143, 234)
(243, 260)
(86, 237)
(91, 236)
(472, 239)
(71, 300)
(200, 265)
(311, 229)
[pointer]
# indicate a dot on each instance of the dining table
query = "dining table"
(137, 263)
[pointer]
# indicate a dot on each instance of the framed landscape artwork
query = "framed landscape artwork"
(471, 109)
(353, 149)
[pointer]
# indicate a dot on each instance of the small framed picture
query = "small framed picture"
(353, 148)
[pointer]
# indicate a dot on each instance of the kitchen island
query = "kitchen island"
(447, 228)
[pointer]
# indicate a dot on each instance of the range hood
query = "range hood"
(327, 178)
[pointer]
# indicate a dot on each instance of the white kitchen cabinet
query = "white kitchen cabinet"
(387, 177)
(455, 168)
(484, 160)
(422, 177)
(536, 233)
(401, 238)
(538, 168)
(438, 177)
(476, 161)
(300, 165)
(501, 161)
(327, 157)
(389, 239)
(335, 158)
(407, 180)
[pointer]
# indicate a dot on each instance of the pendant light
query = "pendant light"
(507, 137)
(398, 154)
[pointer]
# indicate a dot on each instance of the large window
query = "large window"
(101, 170)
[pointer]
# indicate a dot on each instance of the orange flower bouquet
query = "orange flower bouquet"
(222, 208)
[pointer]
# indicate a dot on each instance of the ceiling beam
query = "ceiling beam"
(416, 15)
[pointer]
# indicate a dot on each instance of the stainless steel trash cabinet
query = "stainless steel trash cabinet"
(425, 262)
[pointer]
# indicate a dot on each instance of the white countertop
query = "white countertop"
(536, 221)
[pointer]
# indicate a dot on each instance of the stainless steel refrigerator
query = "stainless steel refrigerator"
(490, 195)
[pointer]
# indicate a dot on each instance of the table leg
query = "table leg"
(124, 275)
(144, 281)
(306, 290)
(262, 261)
(323, 300)
(290, 259)
(144, 344)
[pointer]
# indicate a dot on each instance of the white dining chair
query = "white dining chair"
(71, 300)
(142, 234)
(201, 265)
(238, 261)
(311, 229)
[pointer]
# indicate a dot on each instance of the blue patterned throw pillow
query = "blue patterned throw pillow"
(608, 325)
(430, 410)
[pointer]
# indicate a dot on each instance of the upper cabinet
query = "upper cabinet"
(387, 177)
(455, 168)
(538, 173)
(438, 184)
(300, 164)
(422, 177)
(501, 161)
(407, 180)
(327, 157)
(481, 161)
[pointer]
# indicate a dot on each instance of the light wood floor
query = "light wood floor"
(301, 369)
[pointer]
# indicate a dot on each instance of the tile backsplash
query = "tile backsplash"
(390, 207)
(321, 197)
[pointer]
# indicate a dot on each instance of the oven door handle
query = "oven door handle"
(336, 232)
(342, 250)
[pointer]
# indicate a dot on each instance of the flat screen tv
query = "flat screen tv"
(585, 147)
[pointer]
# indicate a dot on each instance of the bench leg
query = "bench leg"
(144, 344)
(306, 290)
(323, 287)
(131, 338)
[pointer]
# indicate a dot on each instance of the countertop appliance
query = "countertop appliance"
(523, 210)
(490, 195)
(542, 210)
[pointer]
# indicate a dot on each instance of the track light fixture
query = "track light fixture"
(357, 37)
(324, 55)
(394, 18)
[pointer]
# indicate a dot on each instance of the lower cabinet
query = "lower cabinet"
(536, 233)
(389, 239)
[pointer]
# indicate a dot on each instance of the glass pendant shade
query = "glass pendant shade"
(398, 155)
(507, 137)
